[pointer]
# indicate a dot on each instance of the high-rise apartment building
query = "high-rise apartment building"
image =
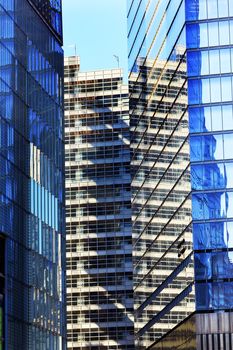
(32, 312)
(181, 93)
(98, 214)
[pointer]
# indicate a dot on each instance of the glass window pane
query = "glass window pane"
(208, 206)
(224, 33)
(196, 148)
(203, 292)
(212, 9)
(229, 204)
(216, 118)
(225, 61)
(228, 146)
(193, 60)
(194, 91)
(200, 119)
(214, 61)
(215, 89)
(213, 34)
(201, 236)
(204, 61)
(223, 8)
(229, 175)
(217, 143)
(227, 117)
(226, 87)
(197, 177)
(203, 35)
(231, 30)
(228, 234)
(205, 90)
(203, 268)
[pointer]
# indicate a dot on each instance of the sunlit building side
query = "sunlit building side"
(98, 209)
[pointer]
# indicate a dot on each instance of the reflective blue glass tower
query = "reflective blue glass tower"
(181, 93)
(31, 176)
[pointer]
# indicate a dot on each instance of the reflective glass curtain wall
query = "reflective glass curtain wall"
(161, 203)
(181, 63)
(31, 168)
(2, 290)
(209, 33)
(210, 94)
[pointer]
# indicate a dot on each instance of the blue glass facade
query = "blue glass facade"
(209, 33)
(181, 93)
(51, 12)
(31, 168)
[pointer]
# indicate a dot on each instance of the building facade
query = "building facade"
(98, 214)
(181, 93)
(32, 291)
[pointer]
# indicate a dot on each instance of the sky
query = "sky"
(98, 29)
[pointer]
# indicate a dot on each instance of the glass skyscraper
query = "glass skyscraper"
(98, 210)
(181, 93)
(32, 313)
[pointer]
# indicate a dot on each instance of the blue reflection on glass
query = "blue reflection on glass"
(213, 235)
(212, 265)
(199, 119)
(196, 9)
(215, 295)
(207, 147)
(208, 176)
(194, 91)
(207, 206)
(211, 209)
(203, 268)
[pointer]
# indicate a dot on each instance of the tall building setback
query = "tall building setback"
(181, 124)
(32, 231)
(98, 210)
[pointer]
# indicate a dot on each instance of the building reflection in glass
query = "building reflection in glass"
(211, 141)
(161, 206)
(180, 63)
